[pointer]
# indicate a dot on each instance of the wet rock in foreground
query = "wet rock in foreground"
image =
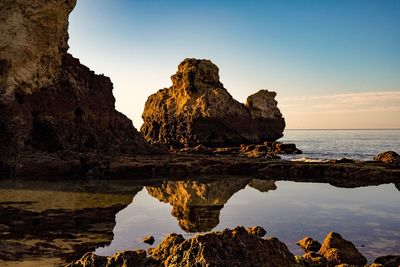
(236, 247)
(309, 245)
(337, 250)
(239, 247)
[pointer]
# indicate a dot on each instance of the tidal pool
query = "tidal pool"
(48, 222)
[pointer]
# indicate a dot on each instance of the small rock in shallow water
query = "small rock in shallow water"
(314, 260)
(148, 240)
(337, 250)
(257, 231)
(309, 245)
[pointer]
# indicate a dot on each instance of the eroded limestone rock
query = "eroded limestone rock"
(48, 100)
(309, 245)
(388, 157)
(337, 250)
(197, 109)
(227, 248)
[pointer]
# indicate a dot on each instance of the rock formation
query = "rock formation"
(197, 109)
(337, 250)
(236, 247)
(197, 205)
(388, 157)
(309, 245)
(49, 101)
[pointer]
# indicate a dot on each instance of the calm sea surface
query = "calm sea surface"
(336, 144)
(49, 223)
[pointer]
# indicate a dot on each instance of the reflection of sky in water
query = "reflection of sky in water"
(367, 216)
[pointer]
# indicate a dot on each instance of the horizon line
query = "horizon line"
(305, 129)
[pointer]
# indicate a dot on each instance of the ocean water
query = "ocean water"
(337, 144)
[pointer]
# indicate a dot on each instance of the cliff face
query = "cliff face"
(48, 100)
(197, 109)
(34, 36)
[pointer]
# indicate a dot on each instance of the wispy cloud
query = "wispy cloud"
(388, 101)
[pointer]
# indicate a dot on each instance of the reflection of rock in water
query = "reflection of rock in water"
(263, 185)
(397, 186)
(197, 205)
(56, 222)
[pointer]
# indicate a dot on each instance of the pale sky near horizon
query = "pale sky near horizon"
(333, 64)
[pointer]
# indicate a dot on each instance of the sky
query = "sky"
(334, 64)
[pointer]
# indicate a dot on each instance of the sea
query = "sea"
(51, 223)
(342, 143)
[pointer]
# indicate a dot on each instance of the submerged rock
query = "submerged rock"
(197, 109)
(388, 157)
(337, 250)
(48, 100)
(227, 248)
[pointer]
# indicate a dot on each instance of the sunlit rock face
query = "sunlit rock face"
(236, 247)
(33, 39)
(48, 100)
(197, 205)
(197, 109)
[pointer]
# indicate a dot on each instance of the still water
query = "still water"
(50, 223)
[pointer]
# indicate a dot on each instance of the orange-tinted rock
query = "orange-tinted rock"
(135, 258)
(257, 231)
(227, 248)
(313, 259)
(197, 109)
(337, 250)
(388, 157)
(309, 245)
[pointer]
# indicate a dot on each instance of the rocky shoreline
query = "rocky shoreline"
(176, 165)
(240, 247)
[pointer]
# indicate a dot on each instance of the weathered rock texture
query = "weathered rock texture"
(34, 37)
(234, 247)
(197, 109)
(388, 157)
(309, 245)
(48, 100)
(337, 250)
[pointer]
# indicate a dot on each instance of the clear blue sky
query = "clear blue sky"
(334, 64)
